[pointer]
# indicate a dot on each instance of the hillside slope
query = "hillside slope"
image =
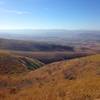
(11, 64)
(77, 79)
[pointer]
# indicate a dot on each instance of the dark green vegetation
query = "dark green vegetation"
(31, 64)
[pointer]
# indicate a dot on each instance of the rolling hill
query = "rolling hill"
(77, 79)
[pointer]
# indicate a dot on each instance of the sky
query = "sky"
(50, 14)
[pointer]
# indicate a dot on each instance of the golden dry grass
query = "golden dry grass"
(77, 79)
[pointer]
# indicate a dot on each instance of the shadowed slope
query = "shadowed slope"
(11, 64)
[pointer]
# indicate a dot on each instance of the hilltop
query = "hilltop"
(77, 79)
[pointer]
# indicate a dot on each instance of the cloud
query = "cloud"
(15, 12)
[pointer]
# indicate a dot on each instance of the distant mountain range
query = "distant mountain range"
(19, 45)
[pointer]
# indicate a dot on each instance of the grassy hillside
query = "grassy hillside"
(11, 64)
(77, 79)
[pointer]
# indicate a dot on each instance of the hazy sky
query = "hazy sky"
(50, 14)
